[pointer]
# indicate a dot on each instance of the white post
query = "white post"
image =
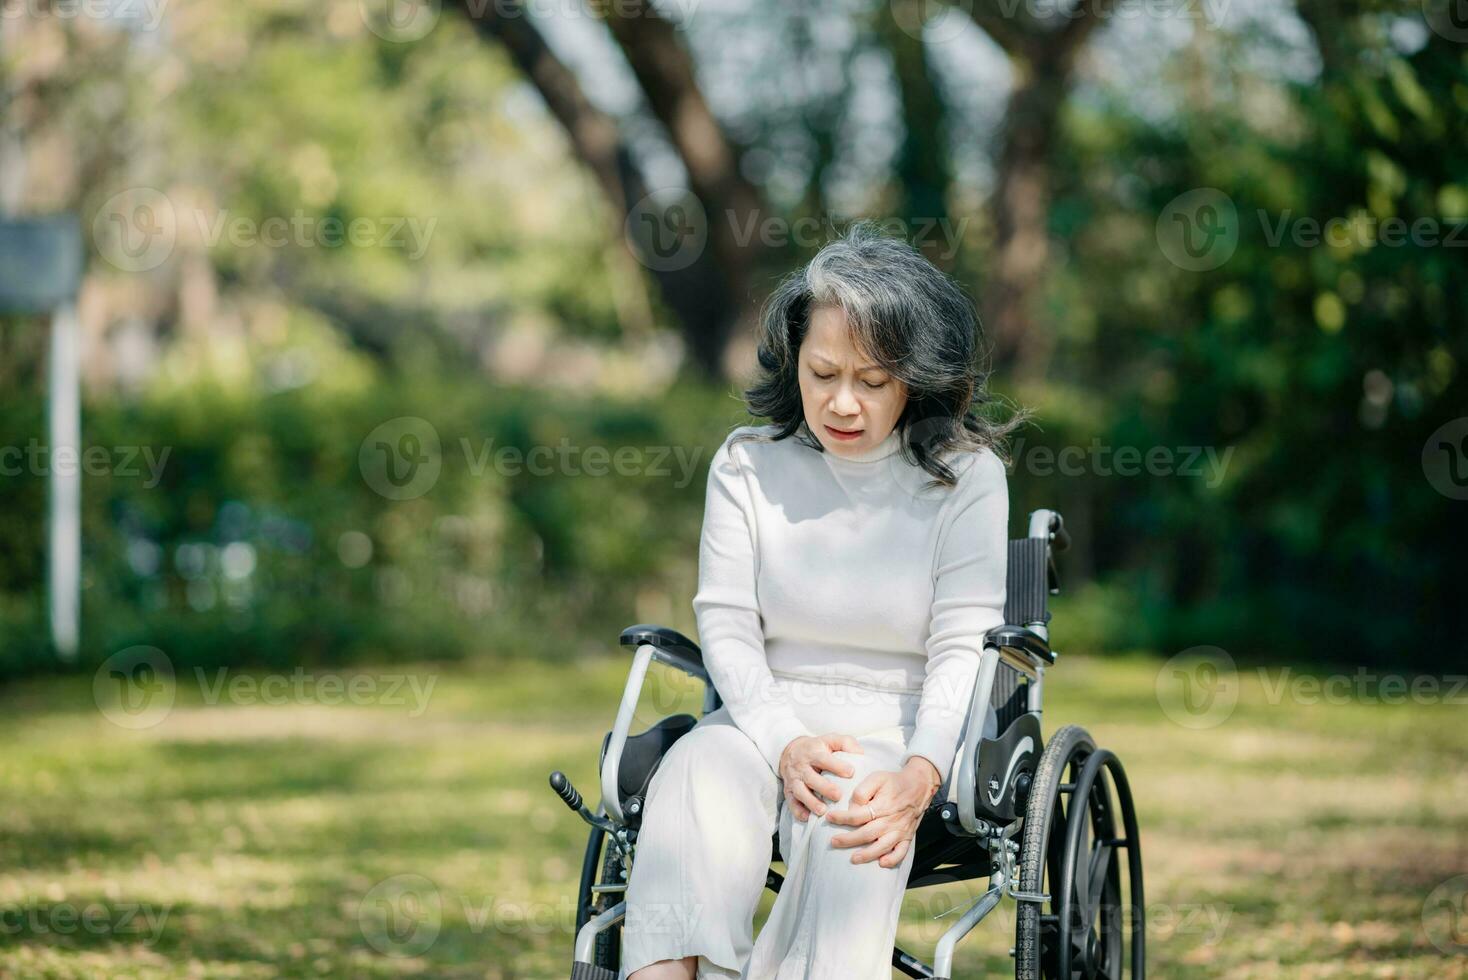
(66, 482)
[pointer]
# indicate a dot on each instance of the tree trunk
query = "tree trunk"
(1043, 57)
(691, 247)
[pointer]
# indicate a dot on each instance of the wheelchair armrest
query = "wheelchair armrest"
(670, 647)
(1023, 639)
(673, 648)
(963, 778)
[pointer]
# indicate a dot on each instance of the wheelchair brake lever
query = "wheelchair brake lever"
(571, 796)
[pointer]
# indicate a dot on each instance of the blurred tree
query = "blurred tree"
(1043, 48)
(710, 294)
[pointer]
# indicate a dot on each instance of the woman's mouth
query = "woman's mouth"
(844, 434)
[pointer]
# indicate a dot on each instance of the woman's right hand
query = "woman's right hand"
(801, 765)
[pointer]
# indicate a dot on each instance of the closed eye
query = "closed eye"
(827, 377)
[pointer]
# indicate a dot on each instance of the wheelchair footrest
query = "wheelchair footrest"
(585, 971)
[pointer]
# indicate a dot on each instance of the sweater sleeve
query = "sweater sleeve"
(969, 584)
(730, 629)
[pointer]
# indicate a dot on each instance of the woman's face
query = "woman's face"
(850, 404)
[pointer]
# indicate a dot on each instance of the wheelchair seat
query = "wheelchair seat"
(640, 759)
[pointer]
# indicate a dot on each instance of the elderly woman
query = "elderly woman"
(853, 556)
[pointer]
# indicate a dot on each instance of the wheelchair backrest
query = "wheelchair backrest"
(1029, 581)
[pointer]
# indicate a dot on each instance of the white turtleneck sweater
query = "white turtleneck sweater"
(844, 567)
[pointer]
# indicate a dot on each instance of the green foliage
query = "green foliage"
(1322, 367)
(257, 538)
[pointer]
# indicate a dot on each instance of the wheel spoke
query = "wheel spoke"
(1100, 864)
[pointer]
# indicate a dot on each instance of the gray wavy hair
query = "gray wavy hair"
(908, 317)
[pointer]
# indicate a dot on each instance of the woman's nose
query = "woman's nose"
(844, 402)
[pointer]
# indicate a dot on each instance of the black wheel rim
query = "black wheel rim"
(1087, 938)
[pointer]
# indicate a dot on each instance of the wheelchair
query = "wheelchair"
(1046, 823)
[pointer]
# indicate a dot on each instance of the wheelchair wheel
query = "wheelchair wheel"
(1070, 853)
(601, 866)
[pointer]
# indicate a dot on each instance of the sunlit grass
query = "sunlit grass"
(255, 840)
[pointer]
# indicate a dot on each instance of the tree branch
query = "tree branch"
(665, 73)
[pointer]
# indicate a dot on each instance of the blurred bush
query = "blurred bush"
(235, 525)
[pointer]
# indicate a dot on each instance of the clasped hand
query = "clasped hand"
(885, 809)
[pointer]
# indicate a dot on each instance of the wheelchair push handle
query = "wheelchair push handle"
(1061, 541)
(1049, 525)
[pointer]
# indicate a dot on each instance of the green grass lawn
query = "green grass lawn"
(261, 840)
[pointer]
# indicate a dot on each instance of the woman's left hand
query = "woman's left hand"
(898, 800)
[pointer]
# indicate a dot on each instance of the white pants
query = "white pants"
(704, 849)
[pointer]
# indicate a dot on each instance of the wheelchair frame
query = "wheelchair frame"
(1014, 657)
